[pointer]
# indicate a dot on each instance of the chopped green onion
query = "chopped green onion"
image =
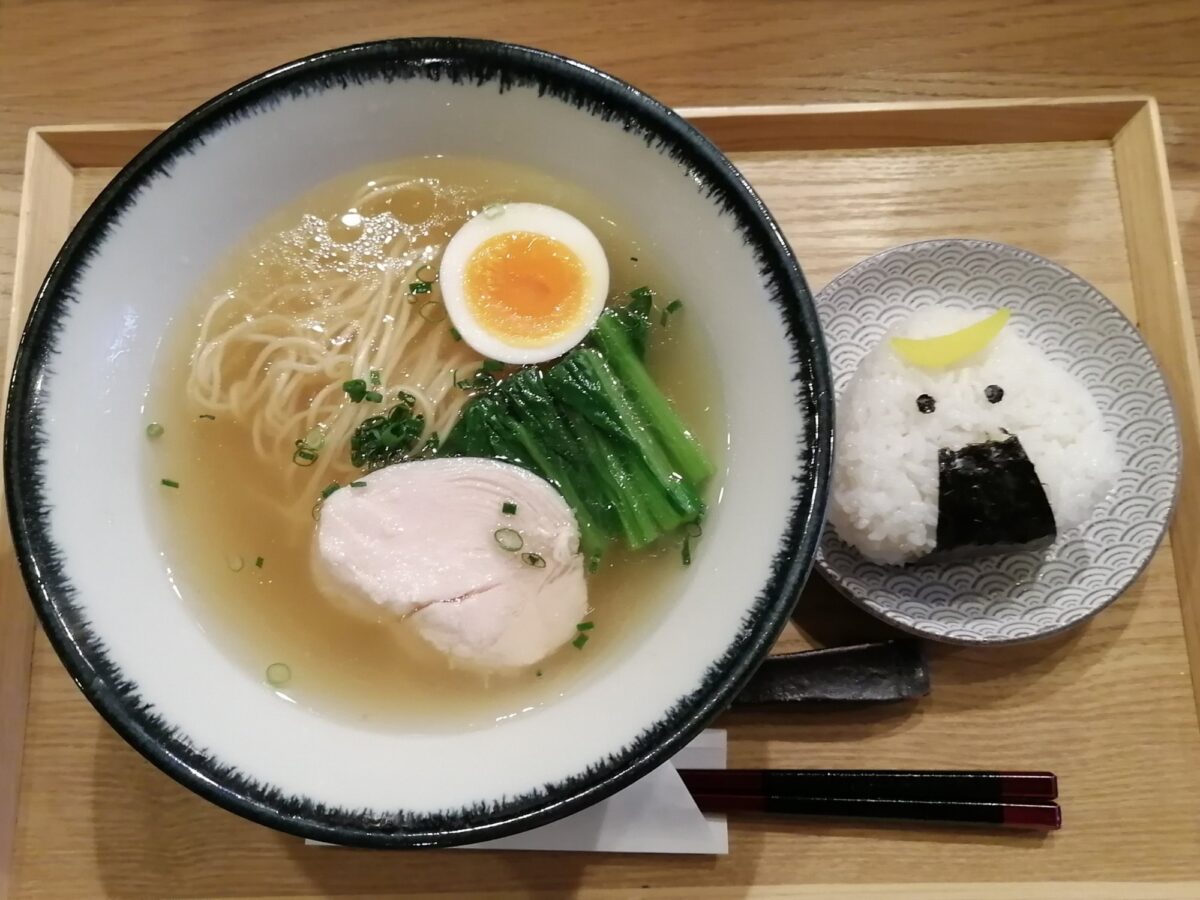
(235, 563)
(356, 389)
(432, 444)
(432, 311)
(420, 287)
(509, 540)
(278, 674)
(210, 418)
(693, 529)
(509, 508)
(315, 439)
(491, 365)
(374, 378)
(539, 673)
(455, 333)
(304, 457)
(642, 294)
(406, 398)
(258, 562)
(373, 397)
(381, 440)
(670, 308)
(167, 482)
(633, 259)
(533, 559)
(358, 484)
(154, 430)
(585, 626)
(687, 551)
(329, 489)
(580, 640)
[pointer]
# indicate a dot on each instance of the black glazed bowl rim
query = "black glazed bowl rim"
(457, 59)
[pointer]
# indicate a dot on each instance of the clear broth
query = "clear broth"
(359, 666)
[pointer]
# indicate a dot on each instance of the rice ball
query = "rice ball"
(1001, 449)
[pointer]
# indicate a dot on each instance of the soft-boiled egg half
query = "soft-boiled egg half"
(523, 282)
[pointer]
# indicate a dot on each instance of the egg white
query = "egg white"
(535, 218)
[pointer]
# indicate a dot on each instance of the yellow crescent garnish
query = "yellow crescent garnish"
(947, 349)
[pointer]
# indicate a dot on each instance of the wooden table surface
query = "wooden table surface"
(72, 61)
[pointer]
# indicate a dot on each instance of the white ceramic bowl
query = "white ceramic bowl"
(77, 487)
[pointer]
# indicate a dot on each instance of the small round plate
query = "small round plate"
(1033, 594)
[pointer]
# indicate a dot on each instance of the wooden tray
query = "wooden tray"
(1109, 706)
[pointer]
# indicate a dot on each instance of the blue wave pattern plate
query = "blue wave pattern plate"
(1027, 595)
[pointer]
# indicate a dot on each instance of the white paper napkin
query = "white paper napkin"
(654, 815)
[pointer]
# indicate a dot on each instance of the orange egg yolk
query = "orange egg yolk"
(525, 288)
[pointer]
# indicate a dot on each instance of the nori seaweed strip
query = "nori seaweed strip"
(990, 500)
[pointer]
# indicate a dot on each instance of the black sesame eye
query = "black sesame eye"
(925, 403)
(994, 393)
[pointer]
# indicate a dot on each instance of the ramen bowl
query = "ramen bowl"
(83, 486)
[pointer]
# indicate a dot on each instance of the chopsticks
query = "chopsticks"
(1002, 799)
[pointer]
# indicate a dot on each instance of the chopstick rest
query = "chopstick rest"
(883, 672)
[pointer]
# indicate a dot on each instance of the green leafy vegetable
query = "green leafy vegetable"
(681, 445)
(634, 318)
(480, 381)
(596, 426)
